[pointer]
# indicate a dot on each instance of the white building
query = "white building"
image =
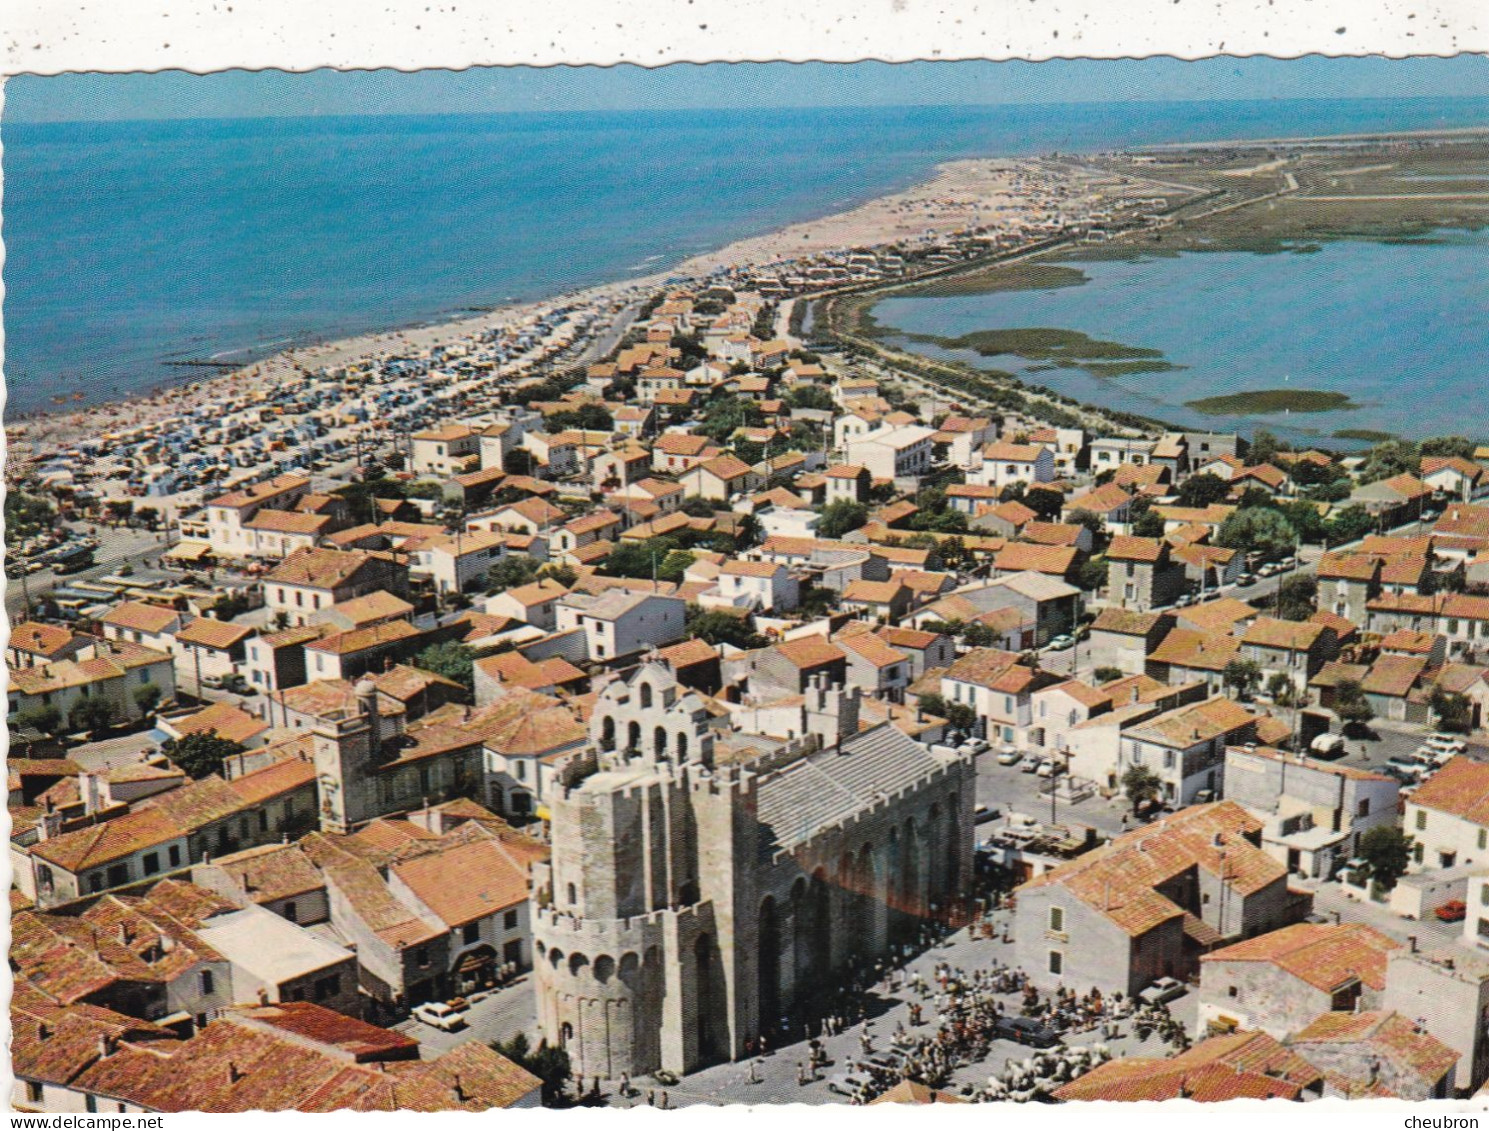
(893, 453)
(621, 623)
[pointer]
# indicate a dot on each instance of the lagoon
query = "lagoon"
(1400, 328)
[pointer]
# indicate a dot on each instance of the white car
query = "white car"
(1445, 746)
(1164, 989)
(1047, 769)
(440, 1015)
(1010, 756)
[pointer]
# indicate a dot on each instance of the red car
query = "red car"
(1452, 911)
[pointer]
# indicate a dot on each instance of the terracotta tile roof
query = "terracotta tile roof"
(1119, 879)
(1103, 500)
(317, 568)
(1204, 651)
(1185, 726)
(272, 871)
(1293, 636)
(274, 780)
(1126, 622)
(1021, 557)
(1242, 1065)
(1386, 1035)
(874, 592)
(363, 639)
(371, 607)
(1219, 615)
(258, 492)
(86, 848)
(211, 633)
(523, 722)
(288, 522)
(725, 467)
(870, 648)
(42, 639)
(141, 617)
(810, 652)
(998, 670)
(1128, 548)
(1325, 955)
(466, 882)
(1460, 789)
(736, 568)
(688, 653)
(1394, 676)
(226, 720)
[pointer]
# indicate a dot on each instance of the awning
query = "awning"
(188, 550)
(543, 813)
(476, 959)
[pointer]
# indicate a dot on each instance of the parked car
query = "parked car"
(973, 746)
(1445, 746)
(1030, 765)
(1404, 767)
(440, 1015)
(1452, 911)
(1047, 768)
(1026, 1031)
(1246, 579)
(985, 813)
(1327, 746)
(1164, 989)
(845, 1084)
(1060, 643)
(1010, 756)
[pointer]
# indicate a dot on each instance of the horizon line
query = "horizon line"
(7, 119)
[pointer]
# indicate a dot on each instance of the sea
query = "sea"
(133, 245)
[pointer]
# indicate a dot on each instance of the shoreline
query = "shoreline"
(863, 222)
(957, 194)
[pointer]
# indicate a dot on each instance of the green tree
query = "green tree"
(1106, 675)
(201, 753)
(44, 718)
(450, 659)
(817, 602)
(1351, 705)
(1090, 520)
(1140, 784)
(1149, 524)
(27, 514)
(810, 396)
(719, 627)
(1386, 851)
(548, 1063)
(590, 417)
(147, 698)
(1264, 447)
(1349, 524)
(1254, 528)
(726, 415)
(640, 559)
(840, 517)
(1296, 596)
(1453, 709)
(1242, 677)
(1460, 446)
(1092, 575)
(1284, 691)
(1304, 518)
(1046, 502)
(1203, 490)
(696, 507)
(1393, 457)
(92, 714)
(512, 571)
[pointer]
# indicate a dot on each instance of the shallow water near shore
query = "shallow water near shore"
(1398, 328)
(134, 244)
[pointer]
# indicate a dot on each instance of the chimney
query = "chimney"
(107, 1045)
(458, 1090)
(263, 996)
(1412, 942)
(43, 1031)
(233, 1075)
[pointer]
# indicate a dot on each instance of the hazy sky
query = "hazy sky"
(486, 90)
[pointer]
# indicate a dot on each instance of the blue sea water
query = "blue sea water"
(131, 244)
(1400, 327)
